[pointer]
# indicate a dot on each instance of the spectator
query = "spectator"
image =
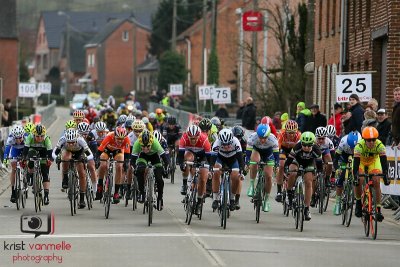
(4, 115)
(239, 112)
(222, 112)
(154, 97)
(396, 118)
(10, 111)
(369, 119)
(317, 119)
(353, 119)
(111, 101)
(302, 114)
(336, 119)
(284, 119)
(277, 120)
(373, 104)
(249, 115)
(383, 126)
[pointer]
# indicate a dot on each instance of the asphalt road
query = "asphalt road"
(88, 239)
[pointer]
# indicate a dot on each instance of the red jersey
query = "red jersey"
(202, 144)
(110, 143)
(284, 139)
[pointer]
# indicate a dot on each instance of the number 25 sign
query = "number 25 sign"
(347, 84)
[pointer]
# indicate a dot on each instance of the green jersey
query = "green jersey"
(155, 148)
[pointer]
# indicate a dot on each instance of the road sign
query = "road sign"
(252, 21)
(222, 95)
(176, 89)
(347, 84)
(27, 90)
(205, 92)
(44, 88)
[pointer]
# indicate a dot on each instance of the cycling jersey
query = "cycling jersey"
(287, 142)
(97, 137)
(343, 147)
(78, 147)
(44, 147)
(171, 134)
(269, 150)
(155, 148)
(213, 134)
(201, 149)
(231, 155)
(14, 147)
(326, 147)
(368, 155)
(306, 159)
(110, 144)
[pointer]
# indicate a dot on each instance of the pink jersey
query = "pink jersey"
(202, 144)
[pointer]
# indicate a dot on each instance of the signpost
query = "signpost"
(27, 90)
(222, 95)
(347, 84)
(205, 92)
(176, 89)
(252, 21)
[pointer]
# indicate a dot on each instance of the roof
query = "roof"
(8, 19)
(86, 21)
(150, 64)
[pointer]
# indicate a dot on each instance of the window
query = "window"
(328, 5)
(45, 62)
(90, 60)
(319, 20)
(125, 36)
(333, 83)
(333, 17)
(328, 89)
(93, 60)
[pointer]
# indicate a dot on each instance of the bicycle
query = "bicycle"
(89, 190)
(73, 184)
(190, 202)
(298, 199)
(347, 199)
(37, 183)
(259, 190)
(134, 191)
(285, 205)
(369, 205)
(172, 164)
(20, 185)
(319, 195)
(150, 193)
(224, 195)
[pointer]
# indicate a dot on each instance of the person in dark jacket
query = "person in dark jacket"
(239, 112)
(222, 112)
(396, 118)
(384, 125)
(315, 120)
(302, 114)
(355, 116)
(249, 115)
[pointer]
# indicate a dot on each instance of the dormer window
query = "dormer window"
(125, 36)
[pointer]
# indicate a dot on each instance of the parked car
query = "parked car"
(77, 102)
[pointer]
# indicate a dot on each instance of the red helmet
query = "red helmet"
(266, 120)
(291, 126)
(120, 132)
(193, 131)
(78, 114)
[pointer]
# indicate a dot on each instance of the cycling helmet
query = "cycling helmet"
(263, 131)
(205, 124)
(145, 120)
(159, 111)
(120, 132)
(122, 105)
(78, 114)
(96, 119)
(39, 130)
(307, 138)
(130, 118)
(370, 133)
(128, 124)
(83, 128)
(238, 131)
(291, 126)
(146, 138)
(100, 126)
(225, 136)
(70, 124)
(266, 120)
(152, 115)
(122, 119)
(18, 131)
(330, 130)
(321, 132)
(29, 127)
(352, 139)
(193, 131)
(109, 109)
(86, 120)
(138, 125)
(171, 120)
(215, 121)
(158, 136)
(71, 135)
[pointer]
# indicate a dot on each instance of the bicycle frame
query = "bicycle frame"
(37, 183)
(191, 196)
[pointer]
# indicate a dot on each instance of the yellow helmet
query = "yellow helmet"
(29, 127)
(70, 124)
(138, 125)
(146, 138)
(39, 130)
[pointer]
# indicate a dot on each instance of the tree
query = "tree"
(23, 72)
(172, 69)
(213, 68)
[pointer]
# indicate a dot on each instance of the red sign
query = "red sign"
(252, 21)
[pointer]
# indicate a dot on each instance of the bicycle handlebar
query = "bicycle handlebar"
(113, 160)
(196, 164)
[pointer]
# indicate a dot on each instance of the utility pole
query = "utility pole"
(134, 70)
(213, 25)
(204, 41)
(174, 17)
(67, 65)
(254, 48)
(310, 51)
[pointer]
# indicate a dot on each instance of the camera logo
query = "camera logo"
(38, 224)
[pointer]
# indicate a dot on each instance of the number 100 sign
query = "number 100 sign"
(359, 84)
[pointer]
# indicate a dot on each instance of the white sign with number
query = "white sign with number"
(205, 92)
(44, 88)
(222, 95)
(347, 84)
(27, 90)
(176, 89)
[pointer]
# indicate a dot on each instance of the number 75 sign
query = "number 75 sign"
(347, 84)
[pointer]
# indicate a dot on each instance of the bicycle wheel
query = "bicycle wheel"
(201, 209)
(349, 204)
(296, 210)
(365, 216)
(224, 205)
(150, 200)
(17, 189)
(372, 217)
(321, 193)
(300, 200)
(172, 167)
(327, 196)
(191, 205)
(36, 192)
(88, 193)
(71, 191)
(23, 191)
(108, 195)
(343, 204)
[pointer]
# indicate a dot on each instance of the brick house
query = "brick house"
(8, 50)
(147, 75)
(109, 55)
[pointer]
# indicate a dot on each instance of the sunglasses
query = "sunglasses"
(146, 146)
(71, 142)
(307, 145)
(370, 140)
(19, 137)
(39, 136)
(137, 131)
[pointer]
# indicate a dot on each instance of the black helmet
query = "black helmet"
(128, 124)
(238, 131)
(205, 124)
(171, 120)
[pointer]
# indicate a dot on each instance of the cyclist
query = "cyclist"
(331, 133)
(100, 131)
(148, 149)
(91, 114)
(14, 147)
(172, 132)
(115, 144)
(369, 152)
(306, 154)
(38, 143)
(123, 109)
(238, 132)
(217, 124)
(287, 139)
(148, 124)
(78, 116)
(28, 128)
(152, 120)
(121, 120)
(343, 151)
(227, 151)
(194, 146)
(266, 120)
(262, 145)
(73, 146)
(110, 118)
(211, 131)
(159, 117)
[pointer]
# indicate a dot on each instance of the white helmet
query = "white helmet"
(100, 126)
(158, 136)
(152, 115)
(83, 127)
(71, 135)
(130, 117)
(216, 121)
(193, 131)
(225, 136)
(320, 132)
(331, 130)
(18, 131)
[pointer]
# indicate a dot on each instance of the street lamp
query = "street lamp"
(62, 13)
(239, 12)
